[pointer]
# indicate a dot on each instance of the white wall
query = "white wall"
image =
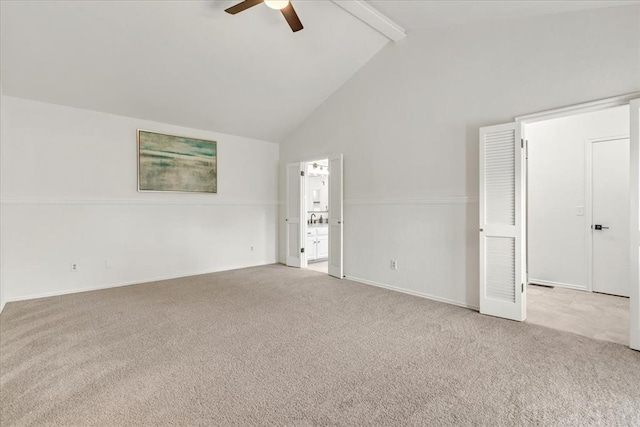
(557, 186)
(408, 122)
(69, 195)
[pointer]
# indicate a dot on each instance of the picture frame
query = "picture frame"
(176, 164)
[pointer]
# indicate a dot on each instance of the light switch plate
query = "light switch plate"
(579, 210)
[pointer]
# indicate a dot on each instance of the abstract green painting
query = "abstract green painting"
(176, 163)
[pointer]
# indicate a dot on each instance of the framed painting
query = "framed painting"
(176, 163)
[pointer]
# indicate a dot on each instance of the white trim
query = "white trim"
(373, 18)
(586, 107)
(2, 251)
(557, 284)
(309, 159)
(17, 201)
(452, 200)
(127, 283)
(588, 210)
(634, 202)
(304, 261)
(414, 293)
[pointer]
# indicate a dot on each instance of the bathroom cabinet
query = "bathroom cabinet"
(317, 243)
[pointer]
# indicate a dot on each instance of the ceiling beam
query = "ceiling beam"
(370, 16)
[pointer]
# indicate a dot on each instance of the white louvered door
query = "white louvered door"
(502, 222)
(634, 177)
(295, 188)
(336, 222)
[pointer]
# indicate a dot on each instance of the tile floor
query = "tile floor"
(321, 267)
(600, 316)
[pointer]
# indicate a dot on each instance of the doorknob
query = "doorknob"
(600, 227)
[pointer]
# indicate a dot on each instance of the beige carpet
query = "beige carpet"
(278, 346)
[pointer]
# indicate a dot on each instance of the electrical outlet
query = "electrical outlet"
(108, 263)
(251, 248)
(394, 264)
(74, 267)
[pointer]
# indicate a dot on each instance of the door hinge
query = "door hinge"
(301, 173)
(522, 290)
(301, 250)
(521, 143)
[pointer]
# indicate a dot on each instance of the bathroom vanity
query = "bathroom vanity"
(317, 243)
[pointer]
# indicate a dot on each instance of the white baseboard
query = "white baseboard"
(158, 279)
(128, 283)
(558, 284)
(414, 293)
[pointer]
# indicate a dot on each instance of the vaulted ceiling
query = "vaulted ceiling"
(189, 63)
(183, 62)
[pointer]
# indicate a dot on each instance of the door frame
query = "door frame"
(588, 201)
(303, 199)
(585, 107)
(630, 99)
(634, 202)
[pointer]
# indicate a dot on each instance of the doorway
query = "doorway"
(317, 209)
(505, 264)
(577, 170)
(314, 215)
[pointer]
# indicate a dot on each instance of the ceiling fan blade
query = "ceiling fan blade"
(292, 18)
(246, 4)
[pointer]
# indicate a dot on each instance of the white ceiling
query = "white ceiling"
(189, 63)
(183, 62)
(415, 15)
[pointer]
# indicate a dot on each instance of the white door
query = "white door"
(634, 176)
(336, 222)
(502, 222)
(610, 213)
(294, 223)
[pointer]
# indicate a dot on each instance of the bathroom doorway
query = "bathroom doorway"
(314, 215)
(316, 206)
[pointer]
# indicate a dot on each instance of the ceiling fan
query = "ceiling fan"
(284, 6)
